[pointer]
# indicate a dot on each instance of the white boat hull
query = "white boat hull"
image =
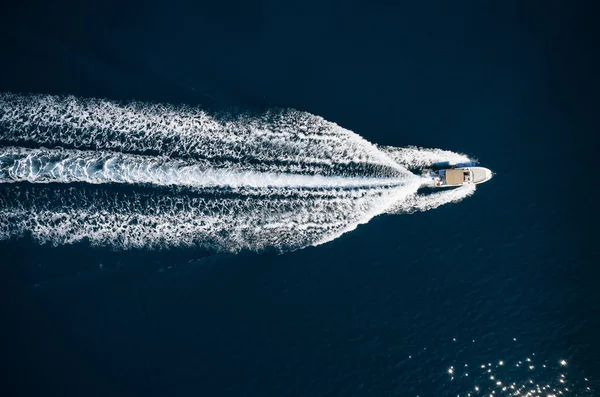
(460, 176)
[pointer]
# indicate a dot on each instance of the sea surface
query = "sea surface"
(499, 287)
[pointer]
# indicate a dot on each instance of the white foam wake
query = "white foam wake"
(144, 175)
(65, 166)
(424, 202)
(415, 157)
(284, 140)
(60, 215)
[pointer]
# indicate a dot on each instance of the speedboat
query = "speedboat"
(460, 176)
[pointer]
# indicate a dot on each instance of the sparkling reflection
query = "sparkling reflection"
(527, 376)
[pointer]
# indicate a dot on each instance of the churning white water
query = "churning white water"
(147, 175)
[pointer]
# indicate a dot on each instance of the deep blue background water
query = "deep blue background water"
(514, 85)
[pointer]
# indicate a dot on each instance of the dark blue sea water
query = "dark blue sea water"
(386, 310)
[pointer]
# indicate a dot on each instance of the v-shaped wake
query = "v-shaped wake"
(144, 175)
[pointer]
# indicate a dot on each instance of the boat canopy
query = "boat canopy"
(455, 177)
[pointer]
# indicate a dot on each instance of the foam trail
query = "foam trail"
(283, 140)
(424, 202)
(414, 157)
(131, 175)
(161, 219)
(65, 166)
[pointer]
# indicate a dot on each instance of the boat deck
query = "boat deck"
(455, 177)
